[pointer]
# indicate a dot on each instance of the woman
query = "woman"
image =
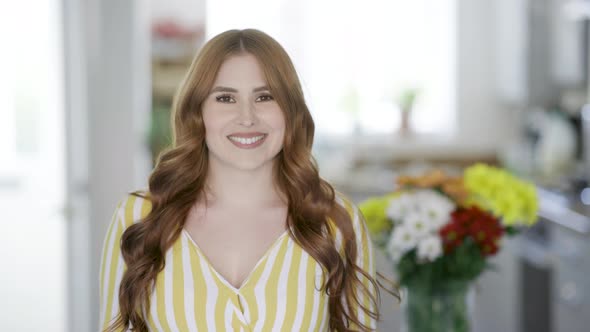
(237, 231)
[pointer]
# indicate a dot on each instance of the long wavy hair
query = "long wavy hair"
(178, 181)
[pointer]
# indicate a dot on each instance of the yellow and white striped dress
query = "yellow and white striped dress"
(280, 294)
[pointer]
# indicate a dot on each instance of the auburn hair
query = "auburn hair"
(178, 180)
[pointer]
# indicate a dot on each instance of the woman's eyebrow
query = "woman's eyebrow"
(227, 89)
(262, 88)
(223, 89)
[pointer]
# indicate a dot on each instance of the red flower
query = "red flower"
(481, 226)
(452, 235)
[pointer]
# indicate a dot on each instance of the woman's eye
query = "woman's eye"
(224, 99)
(265, 98)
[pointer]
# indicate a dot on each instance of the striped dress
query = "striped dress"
(280, 294)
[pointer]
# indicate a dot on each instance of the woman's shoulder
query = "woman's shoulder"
(134, 206)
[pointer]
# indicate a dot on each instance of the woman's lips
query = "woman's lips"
(247, 135)
(247, 143)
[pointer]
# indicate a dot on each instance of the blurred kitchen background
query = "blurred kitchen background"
(394, 87)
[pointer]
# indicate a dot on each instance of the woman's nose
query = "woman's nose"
(247, 114)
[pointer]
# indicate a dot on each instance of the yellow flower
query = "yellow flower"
(374, 211)
(498, 191)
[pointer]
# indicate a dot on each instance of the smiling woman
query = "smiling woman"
(242, 112)
(237, 231)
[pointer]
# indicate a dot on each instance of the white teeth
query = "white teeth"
(246, 140)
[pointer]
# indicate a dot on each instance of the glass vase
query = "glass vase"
(445, 307)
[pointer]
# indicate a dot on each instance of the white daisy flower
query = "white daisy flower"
(418, 223)
(402, 238)
(399, 207)
(430, 248)
(436, 207)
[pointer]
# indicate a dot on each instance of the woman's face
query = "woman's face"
(244, 124)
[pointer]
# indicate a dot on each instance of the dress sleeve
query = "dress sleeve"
(365, 260)
(112, 266)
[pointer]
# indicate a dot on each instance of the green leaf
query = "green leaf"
(465, 263)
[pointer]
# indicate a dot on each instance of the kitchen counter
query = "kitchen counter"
(566, 209)
(386, 148)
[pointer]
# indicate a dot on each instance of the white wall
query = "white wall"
(481, 119)
(107, 67)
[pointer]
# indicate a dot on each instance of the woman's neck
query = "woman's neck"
(238, 188)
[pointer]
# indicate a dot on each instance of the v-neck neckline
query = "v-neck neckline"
(254, 269)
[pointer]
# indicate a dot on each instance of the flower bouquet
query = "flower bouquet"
(439, 231)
